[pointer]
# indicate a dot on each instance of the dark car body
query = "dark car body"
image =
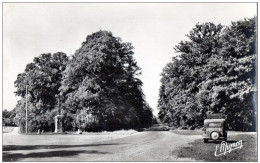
(214, 129)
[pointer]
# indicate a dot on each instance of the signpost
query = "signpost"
(59, 120)
(26, 127)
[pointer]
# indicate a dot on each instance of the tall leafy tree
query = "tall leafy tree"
(215, 72)
(234, 90)
(101, 87)
(178, 104)
(230, 87)
(43, 78)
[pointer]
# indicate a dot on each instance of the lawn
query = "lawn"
(205, 151)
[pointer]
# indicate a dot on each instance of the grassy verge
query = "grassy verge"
(117, 132)
(205, 151)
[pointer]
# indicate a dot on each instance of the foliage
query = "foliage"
(100, 85)
(239, 54)
(97, 89)
(43, 78)
(8, 117)
(215, 72)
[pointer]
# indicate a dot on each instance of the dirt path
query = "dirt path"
(149, 146)
(144, 146)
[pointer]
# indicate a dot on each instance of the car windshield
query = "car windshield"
(215, 124)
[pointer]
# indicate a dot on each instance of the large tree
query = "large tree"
(100, 86)
(178, 104)
(43, 79)
(233, 87)
(215, 72)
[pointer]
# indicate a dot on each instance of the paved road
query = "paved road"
(143, 146)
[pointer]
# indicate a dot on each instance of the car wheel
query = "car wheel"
(214, 135)
(205, 140)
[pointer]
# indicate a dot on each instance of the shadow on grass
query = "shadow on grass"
(8, 157)
(33, 147)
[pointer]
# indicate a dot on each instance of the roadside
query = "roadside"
(205, 151)
(14, 138)
(10, 129)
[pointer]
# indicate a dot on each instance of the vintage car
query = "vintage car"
(214, 128)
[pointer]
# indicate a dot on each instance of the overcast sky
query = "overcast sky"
(30, 29)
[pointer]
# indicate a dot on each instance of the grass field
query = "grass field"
(205, 151)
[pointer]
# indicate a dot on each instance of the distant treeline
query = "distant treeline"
(8, 118)
(96, 89)
(214, 71)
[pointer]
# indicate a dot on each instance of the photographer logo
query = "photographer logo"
(224, 147)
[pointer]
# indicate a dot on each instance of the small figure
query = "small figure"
(79, 131)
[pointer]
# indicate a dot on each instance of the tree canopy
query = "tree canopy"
(96, 89)
(101, 87)
(43, 79)
(214, 72)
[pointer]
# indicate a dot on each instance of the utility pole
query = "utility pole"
(26, 127)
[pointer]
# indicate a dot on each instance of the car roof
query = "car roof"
(213, 120)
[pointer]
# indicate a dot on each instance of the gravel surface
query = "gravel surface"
(142, 146)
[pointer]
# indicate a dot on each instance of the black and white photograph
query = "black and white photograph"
(129, 81)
